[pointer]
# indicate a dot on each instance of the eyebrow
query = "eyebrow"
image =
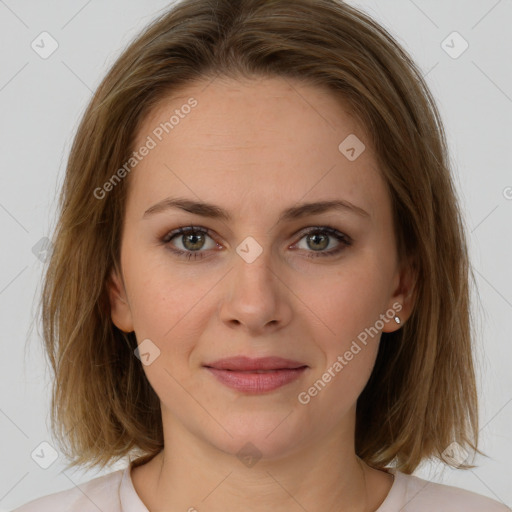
(216, 212)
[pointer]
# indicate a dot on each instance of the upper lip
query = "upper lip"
(242, 363)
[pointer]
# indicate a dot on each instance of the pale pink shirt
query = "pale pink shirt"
(114, 492)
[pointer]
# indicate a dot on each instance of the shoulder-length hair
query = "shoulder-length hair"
(421, 396)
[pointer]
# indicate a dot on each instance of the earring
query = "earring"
(397, 320)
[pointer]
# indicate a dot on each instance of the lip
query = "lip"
(246, 364)
(256, 375)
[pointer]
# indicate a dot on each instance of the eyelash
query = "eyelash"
(345, 241)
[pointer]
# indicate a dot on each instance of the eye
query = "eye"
(190, 240)
(317, 239)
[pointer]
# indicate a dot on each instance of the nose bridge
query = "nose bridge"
(254, 297)
(254, 267)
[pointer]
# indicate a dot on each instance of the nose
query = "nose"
(255, 297)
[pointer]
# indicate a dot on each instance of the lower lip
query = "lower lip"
(257, 382)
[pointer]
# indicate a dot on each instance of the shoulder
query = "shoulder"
(418, 495)
(100, 493)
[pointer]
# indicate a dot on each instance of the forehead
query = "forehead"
(260, 139)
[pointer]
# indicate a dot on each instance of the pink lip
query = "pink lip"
(241, 373)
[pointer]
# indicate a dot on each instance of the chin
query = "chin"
(258, 435)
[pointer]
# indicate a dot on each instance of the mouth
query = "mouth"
(256, 375)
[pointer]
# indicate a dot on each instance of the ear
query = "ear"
(119, 308)
(404, 296)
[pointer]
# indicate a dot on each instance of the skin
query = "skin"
(250, 143)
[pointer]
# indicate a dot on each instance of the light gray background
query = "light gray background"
(41, 101)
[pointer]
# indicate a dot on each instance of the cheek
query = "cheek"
(169, 306)
(349, 348)
(350, 308)
(333, 392)
(352, 303)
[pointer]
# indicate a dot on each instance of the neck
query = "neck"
(190, 474)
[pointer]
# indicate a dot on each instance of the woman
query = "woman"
(258, 291)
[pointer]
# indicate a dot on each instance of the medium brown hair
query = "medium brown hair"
(422, 395)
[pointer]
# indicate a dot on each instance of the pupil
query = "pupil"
(316, 237)
(194, 240)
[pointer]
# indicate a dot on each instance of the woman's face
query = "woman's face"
(253, 281)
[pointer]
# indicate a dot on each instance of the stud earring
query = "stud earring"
(397, 320)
